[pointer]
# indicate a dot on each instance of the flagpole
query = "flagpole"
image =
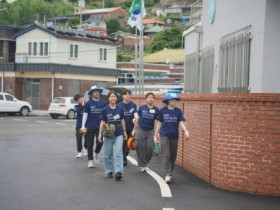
(141, 54)
(136, 13)
(135, 62)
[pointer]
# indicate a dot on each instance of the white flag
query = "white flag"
(135, 11)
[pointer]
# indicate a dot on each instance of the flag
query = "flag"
(135, 11)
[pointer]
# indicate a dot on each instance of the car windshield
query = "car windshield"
(58, 100)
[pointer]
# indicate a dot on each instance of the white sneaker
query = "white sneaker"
(167, 179)
(96, 158)
(90, 164)
(85, 152)
(79, 155)
(142, 169)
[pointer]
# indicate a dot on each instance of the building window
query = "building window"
(235, 61)
(44, 48)
(29, 48)
(34, 52)
(102, 54)
(38, 49)
(74, 51)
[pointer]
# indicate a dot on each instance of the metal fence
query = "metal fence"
(199, 71)
(235, 61)
(196, 12)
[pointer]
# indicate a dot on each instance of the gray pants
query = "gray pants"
(144, 146)
(169, 149)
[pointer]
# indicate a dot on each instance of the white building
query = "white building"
(234, 48)
(53, 62)
(53, 45)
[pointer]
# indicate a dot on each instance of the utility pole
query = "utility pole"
(81, 6)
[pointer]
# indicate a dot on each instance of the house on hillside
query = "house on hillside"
(116, 12)
(152, 22)
(96, 25)
(86, 14)
(172, 8)
(53, 62)
(225, 52)
(152, 31)
(127, 40)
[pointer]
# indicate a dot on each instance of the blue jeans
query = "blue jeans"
(108, 145)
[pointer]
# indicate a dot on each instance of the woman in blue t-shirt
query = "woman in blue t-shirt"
(144, 135)
(170, 118)
(114, 115)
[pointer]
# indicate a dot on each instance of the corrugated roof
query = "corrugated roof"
(166, 56)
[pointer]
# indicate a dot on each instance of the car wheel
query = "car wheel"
(24, 111)
(54, 116)
(70, 114)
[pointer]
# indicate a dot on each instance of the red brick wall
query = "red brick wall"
(234, 140)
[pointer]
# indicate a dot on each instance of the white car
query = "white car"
(62, 106)
(11, 105)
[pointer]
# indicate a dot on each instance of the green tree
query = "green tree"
(73, 22)
(113, 25)
(169, 38)
(27, 11)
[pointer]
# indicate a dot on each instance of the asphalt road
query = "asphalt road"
(38, 170)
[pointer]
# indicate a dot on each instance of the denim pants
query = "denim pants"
(113, 147)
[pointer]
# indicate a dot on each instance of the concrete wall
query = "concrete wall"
(234, 140)
(271, 63)
(230, 16)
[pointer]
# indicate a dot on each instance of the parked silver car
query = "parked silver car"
(11, 105)
(62, 106)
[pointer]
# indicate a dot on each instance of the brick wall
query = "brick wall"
(234, 140)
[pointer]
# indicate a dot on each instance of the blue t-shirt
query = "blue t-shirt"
(147, 117)
(129, 110)
(114, 116)
(170, 120)
(94, 108)
(79, 110)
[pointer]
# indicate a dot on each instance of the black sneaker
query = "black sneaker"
(118, 176)
(110, 175)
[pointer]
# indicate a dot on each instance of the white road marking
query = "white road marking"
(20, 120)
(168, 209)
(60, 124)
(69, 120)
(42, 122)
(73, 126)
(164, 188)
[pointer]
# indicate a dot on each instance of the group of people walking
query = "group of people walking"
(111, 123)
